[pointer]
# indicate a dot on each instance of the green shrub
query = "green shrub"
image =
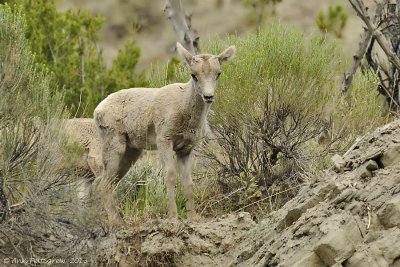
(65, 42)
(122, 74)
(333, 21)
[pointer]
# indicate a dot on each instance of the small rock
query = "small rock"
(386, 131)
(389, 215)
(371, 165)
(364, 172)
(362, 259)
(391, 156)
(338, 163)
(346, 195)
(338, 244)
(309, 260)
(384, 172)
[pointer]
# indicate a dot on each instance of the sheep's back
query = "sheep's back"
(82, 131)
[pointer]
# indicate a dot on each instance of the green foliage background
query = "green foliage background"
(65, 43)
(333, 21)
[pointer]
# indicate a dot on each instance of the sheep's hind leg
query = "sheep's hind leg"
(114, 148)
(83, 189)
(185, 169)
(130, 157)
(95, 162)
(165, 148)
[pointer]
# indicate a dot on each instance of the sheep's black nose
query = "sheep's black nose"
(209, 98)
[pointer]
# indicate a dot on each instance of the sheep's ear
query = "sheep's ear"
(227, 54)
(184, 54)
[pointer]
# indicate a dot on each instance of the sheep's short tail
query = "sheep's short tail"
(99, 118)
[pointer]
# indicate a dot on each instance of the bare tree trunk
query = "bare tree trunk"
(182, 26)
(357, 57)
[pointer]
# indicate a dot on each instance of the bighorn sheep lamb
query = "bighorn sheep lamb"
(82, 132)
(170, 119)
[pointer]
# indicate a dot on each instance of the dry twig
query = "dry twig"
(381, 27)
(182, 26)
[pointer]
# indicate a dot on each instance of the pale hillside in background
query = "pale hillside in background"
(155, 35)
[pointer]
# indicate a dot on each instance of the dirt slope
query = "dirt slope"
(350, 218)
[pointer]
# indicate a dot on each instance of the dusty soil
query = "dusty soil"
(350, 218)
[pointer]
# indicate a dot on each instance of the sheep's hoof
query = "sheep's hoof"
(173, 213)
(173, 216)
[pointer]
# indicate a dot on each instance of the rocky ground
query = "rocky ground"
(349, 218)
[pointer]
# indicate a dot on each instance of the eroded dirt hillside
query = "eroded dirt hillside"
(350, 218)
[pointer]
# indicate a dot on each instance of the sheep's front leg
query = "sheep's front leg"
(185, 163)
(165, 148)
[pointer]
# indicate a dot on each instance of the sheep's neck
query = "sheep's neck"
(195, 106)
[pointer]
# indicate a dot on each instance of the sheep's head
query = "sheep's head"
(205, 70)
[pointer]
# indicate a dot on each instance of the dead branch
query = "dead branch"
(381, 28)
(360, 9)
(357, 58)
(365, 45)
(17, 206)
(182, 26)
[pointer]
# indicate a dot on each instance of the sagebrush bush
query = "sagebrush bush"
(26, 98)
(34, 196)
(65, 43)
(275, 101)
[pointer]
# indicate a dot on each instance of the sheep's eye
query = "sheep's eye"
(194, 77)
(219, 74)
